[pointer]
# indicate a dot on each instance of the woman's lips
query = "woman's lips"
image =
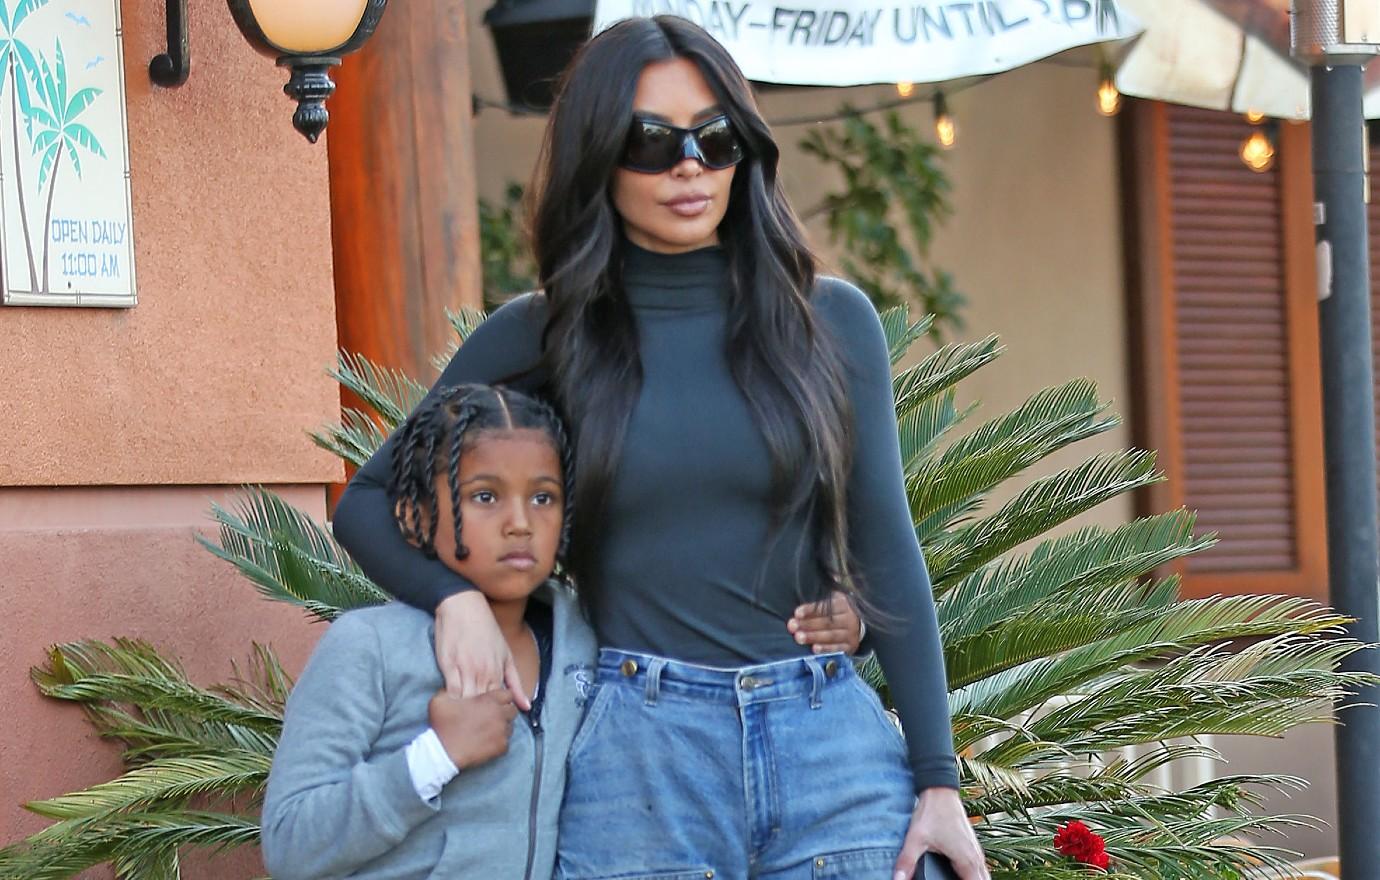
(689, 206)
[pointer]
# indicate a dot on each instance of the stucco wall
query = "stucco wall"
(215, 374)
(121, 426)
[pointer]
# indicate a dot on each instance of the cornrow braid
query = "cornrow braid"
(437, 434)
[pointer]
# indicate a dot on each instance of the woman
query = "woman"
(736, 455)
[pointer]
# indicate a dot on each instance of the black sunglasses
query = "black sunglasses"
(654, 147)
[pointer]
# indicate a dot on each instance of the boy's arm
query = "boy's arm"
(329, 811)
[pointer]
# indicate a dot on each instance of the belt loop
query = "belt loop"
(654, 680)
(817, 687)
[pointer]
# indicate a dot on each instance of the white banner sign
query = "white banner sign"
(67, 234)
(852, 42)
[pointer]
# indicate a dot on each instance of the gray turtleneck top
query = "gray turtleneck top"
(685, 565)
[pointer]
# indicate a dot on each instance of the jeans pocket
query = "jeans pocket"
(884, 717)
(699, 874)
(603, 694)
(855, 864)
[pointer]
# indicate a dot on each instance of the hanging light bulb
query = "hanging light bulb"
(1258, 152)
(1108, 96)
(945, 129)
(905, 89)
(1254, 117)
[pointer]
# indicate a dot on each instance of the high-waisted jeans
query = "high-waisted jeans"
(783, 771)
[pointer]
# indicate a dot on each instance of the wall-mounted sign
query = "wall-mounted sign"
(68, 232)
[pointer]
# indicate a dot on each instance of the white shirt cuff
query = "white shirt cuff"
(429, 765)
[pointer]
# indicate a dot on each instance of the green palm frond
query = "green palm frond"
(220, 773)
(925, 425)
(355, 439)
(464, 322)
(953, 482)
(389, 392)
(1043, 505)
(290, 557)
(902, 332)
(940, 371)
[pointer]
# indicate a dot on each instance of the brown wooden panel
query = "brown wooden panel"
(1225, 219)
(1225, 345)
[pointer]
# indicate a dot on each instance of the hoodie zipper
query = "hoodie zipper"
(537, 750)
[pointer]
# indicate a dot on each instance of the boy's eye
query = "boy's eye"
(483, 496)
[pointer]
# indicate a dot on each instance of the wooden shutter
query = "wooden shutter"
(1224, 322)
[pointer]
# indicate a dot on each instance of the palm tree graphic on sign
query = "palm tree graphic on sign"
(17, 59)
(54, 132)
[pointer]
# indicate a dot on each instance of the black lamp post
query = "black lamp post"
(308, 37)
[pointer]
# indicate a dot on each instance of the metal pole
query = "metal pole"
(1349, 431)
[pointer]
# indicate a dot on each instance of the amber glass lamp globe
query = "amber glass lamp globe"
(308, 37)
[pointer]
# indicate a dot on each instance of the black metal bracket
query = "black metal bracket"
(172, 67)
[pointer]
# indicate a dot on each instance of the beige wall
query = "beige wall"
(121, 426)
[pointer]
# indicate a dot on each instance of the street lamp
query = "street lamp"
(1336, 38)
(308, 37)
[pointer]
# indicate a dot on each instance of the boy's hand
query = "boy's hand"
(827, 626)
(473, 730)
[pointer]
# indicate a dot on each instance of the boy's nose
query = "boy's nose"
(518, 523)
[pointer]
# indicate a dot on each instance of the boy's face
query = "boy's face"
(510, 513)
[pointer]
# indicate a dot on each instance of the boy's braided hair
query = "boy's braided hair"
(432, 440)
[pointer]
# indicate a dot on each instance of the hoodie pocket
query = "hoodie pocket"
(470, 854)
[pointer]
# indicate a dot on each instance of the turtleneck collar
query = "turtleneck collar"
(693, 280)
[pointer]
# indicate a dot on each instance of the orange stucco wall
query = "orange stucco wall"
(214, 375)
(120, 426)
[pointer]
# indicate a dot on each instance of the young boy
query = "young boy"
(380, 773)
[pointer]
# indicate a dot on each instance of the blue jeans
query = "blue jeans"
(784, 771)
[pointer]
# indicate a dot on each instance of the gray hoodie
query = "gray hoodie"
(340, 801)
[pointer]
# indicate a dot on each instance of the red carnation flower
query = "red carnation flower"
(1082, 844)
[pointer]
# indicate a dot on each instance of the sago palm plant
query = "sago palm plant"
(1063, 652)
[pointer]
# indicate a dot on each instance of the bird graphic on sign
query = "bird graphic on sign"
(79, 19)
(94, 61)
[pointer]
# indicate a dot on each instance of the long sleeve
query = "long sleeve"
(332, 807)
(508, 344)
(882, 542)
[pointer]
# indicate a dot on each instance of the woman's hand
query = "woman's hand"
(471, 652)
(827, 627)
(940, 825)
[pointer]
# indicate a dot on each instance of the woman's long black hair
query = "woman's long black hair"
(789, 371)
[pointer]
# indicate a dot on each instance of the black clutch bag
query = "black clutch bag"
(935, 867)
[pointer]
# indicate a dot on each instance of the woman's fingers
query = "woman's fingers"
(514, 682)
(911, 851)
(470, 650)
(940, 824)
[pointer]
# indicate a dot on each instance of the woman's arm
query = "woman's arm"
(328, 810)
(507, 344)
(882, 541)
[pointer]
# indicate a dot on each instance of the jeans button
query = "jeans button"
(628, 667)
(831, 668)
